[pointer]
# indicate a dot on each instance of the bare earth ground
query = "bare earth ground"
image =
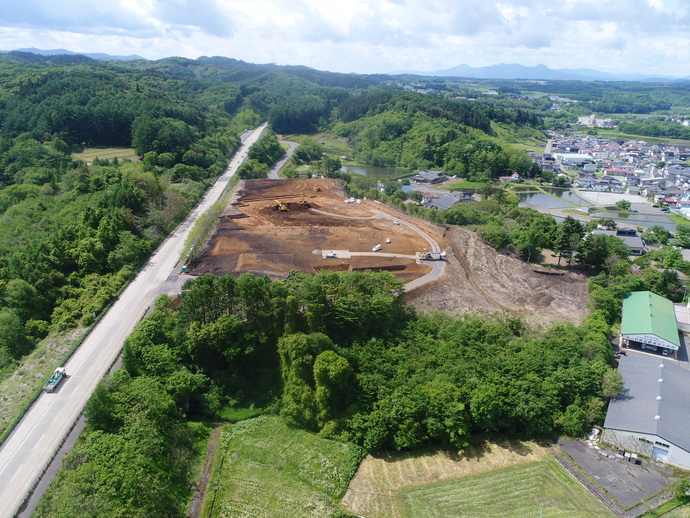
(268, 241)
(254, 236)
(482, 280)
(372, 489)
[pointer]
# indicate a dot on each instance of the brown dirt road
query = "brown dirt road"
(254, 236)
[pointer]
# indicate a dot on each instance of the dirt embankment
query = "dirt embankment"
(482, 280)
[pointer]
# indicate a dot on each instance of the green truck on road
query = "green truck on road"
(55, 379)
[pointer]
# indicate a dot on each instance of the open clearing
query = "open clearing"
(88, 154)
(264, 468)
(506, 479)
(254, 236)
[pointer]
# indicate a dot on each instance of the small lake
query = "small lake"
(375, 172)
(555, 198)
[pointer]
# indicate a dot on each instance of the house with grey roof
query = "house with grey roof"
(629, 237)
(651, 416)
(429, 177)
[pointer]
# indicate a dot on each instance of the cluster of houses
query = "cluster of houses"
(628, 167)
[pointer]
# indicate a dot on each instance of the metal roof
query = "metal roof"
(644, 398)
(645, 312)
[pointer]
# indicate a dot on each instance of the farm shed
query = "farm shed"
(650, 321)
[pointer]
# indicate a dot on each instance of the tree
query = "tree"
(623, 204)
(611, 384)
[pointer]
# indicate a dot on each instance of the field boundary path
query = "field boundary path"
(27, 452)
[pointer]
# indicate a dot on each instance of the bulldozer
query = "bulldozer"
(280, 206)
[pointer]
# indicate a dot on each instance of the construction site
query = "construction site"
(274, 226)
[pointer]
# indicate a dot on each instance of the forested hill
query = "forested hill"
(74, 232)
(414, 131)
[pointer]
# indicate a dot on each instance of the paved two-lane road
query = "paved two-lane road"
(28, 450)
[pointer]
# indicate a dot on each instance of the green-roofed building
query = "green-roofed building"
(650, 322)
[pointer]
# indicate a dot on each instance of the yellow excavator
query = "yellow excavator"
(303, 201)
(280, 206)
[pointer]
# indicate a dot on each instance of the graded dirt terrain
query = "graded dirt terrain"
(255, 236)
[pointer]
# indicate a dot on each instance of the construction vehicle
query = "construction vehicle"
(317, 188)
(433, 256)
(303, 202)
(280, 206)
(55, 379)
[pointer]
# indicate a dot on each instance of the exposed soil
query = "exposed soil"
(255, 236)
(482, 280)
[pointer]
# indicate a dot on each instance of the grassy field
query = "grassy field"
(88, 154)
(517, 491)
(263, 468)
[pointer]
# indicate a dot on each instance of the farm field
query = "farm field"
(263, 468)
(88, 154)
(506, 479)
(511, 492)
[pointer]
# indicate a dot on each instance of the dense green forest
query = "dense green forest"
(75, 232)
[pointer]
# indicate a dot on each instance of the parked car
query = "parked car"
(376, 248)
(331, 255)
(388, 240)
(624, 353)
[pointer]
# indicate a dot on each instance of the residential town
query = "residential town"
(657, 172)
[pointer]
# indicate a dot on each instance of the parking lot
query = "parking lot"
(627, 486)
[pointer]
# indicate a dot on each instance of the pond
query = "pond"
(567, 195)
(375, 172)
(539, 199)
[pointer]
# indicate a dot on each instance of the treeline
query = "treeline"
(261, 156)
(655, 129)
(335, 353)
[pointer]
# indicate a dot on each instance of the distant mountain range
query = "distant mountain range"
(539, 72)
(502, 71)
(62, 52)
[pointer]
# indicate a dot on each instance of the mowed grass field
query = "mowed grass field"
(263, 468)
(518, 491)
(88, 154)
(506, 479)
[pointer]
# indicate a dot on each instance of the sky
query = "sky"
(375, 36)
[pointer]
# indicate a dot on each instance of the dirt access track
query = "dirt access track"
(253, 235)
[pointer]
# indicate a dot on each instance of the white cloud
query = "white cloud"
(367, 36)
